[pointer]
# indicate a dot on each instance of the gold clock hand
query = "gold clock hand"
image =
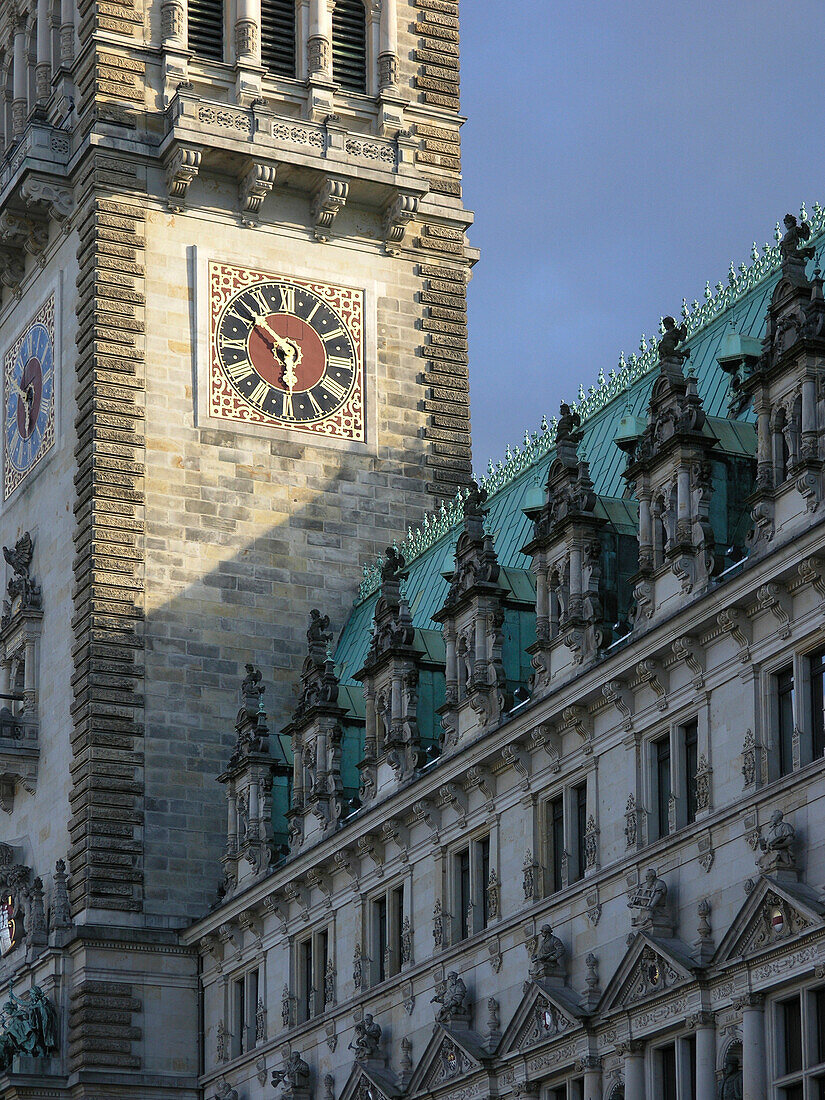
(288, 347)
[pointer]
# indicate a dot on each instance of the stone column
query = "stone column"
(19, 105)
(764, 465)
(703, 1022)
(753, 1047)
(67, 8)
(388, 45)
(320, 39)
(645, 530)
(43, 72)
(451, 669)
(634, 1069)
(174, 24)
(542, 603)
(591, 1066)
(683, 510)
(809, 433)
(248, 32)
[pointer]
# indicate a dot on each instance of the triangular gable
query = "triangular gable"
(451, 1053)
(370, 1082)
(545, 1013)
(650, 967)
(772, 913)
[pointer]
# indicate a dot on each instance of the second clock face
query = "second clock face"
(286, 352)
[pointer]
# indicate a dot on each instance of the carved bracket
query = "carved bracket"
(735, 622)
(481, 779)
(58, 201)
(576, 718)
(452, 795)
(774, 597)
(399, 834)
(371, 846)
(429, 815)
(344, 862)
(811, 572)
(650, 673)
(687, 651)
(330, 198)
(181, 168)
(519, 761)
(23, 231)
(547, 737)
(254, 186)
(618, 695)
(397, 216)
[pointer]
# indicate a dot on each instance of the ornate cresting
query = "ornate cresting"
(390, 679)
(566, 553)
(472, 618)
(315, 732)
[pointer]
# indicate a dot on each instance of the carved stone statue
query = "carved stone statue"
(669, 344)
(252, 689)
(21, 586)
(548, 955)
(28, 1027)
(393, 564)
(367, 1038)
(318, 633)
(730, 1087)
(294, 1076)
(475, 501)
(452, 998)
(790, 249)
(649, 900)
(777, 846)
(567, 434)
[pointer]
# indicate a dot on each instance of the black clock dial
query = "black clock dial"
(286, 352)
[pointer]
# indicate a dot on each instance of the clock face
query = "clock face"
(28, 399)
(286, 352)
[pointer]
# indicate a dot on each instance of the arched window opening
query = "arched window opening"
(349, 45)
(278, 36)
(205, 25)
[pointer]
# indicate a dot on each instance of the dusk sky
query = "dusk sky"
(617, 156)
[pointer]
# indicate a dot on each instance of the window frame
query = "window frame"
(810, 1000)
(384, 937)
(475, 916)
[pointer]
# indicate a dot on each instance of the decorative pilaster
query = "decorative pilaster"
(754, 1086)
(43, 69)
(19, 103)
(633, 1053)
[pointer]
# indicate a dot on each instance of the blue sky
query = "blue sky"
(617, 156)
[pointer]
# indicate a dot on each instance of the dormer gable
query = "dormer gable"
(370, 1082)
(772, 914)
(453, 1052)
(650, 967)
(546, 1013)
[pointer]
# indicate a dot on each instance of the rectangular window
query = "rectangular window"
(379, 923)
(690, 732)
(666, 1057)
(817, 674)
(785, 719)
(661, 767)
(790, 1021)
(239, 1016)
(397, 925)
(819, 1024)
(463, 895)
(483, 860)
(307, 990)
(580, 810)
(556, 821)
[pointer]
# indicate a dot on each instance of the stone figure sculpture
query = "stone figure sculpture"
(224, 1091)
(28, 1027)
(367, 1038)
(294, 1076)
(777, 845)
(671, 338)
(730, 1087)
(649, 900)
(452, 999)
(790, 247)
(548, 955)
(393, 564)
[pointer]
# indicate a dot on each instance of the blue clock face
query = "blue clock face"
(29, 401)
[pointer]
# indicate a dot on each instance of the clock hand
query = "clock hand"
(288, 347)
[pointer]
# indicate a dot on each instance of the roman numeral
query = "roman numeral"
(319, 411)
(287, 298)
(339, 362)
(287, 413)
(336, 332)
(233, 343)
(240, 372)
(260, 299)
(259, 393)
(312, 312)
(335, 389)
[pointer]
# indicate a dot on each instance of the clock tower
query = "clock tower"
(234, 359)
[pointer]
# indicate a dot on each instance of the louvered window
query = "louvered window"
(206, 28)
(278, 36)
(349, 45)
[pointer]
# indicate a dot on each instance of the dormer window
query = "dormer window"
(278, 36)
(205, 23)
(349, 45)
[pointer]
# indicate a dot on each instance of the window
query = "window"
(661, 782)
(816, 670)
(244, 1009)
(799, 1045)
(556, 842)
(471, 874)
(311, 965)
(349, 45)
(205, 24)
(580, 811)
(666, 1072)
(386, 934)
(690, 741)
(784, 719)
(278, 36)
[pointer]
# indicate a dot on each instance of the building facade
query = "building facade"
(535, 810)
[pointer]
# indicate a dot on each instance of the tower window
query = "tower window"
(205, 26)
(278, 36)
(349, 45)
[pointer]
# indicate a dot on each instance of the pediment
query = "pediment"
(650, 967)
(370, 1081)
(452, 1053)
(545, 1013)
(772, 913)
